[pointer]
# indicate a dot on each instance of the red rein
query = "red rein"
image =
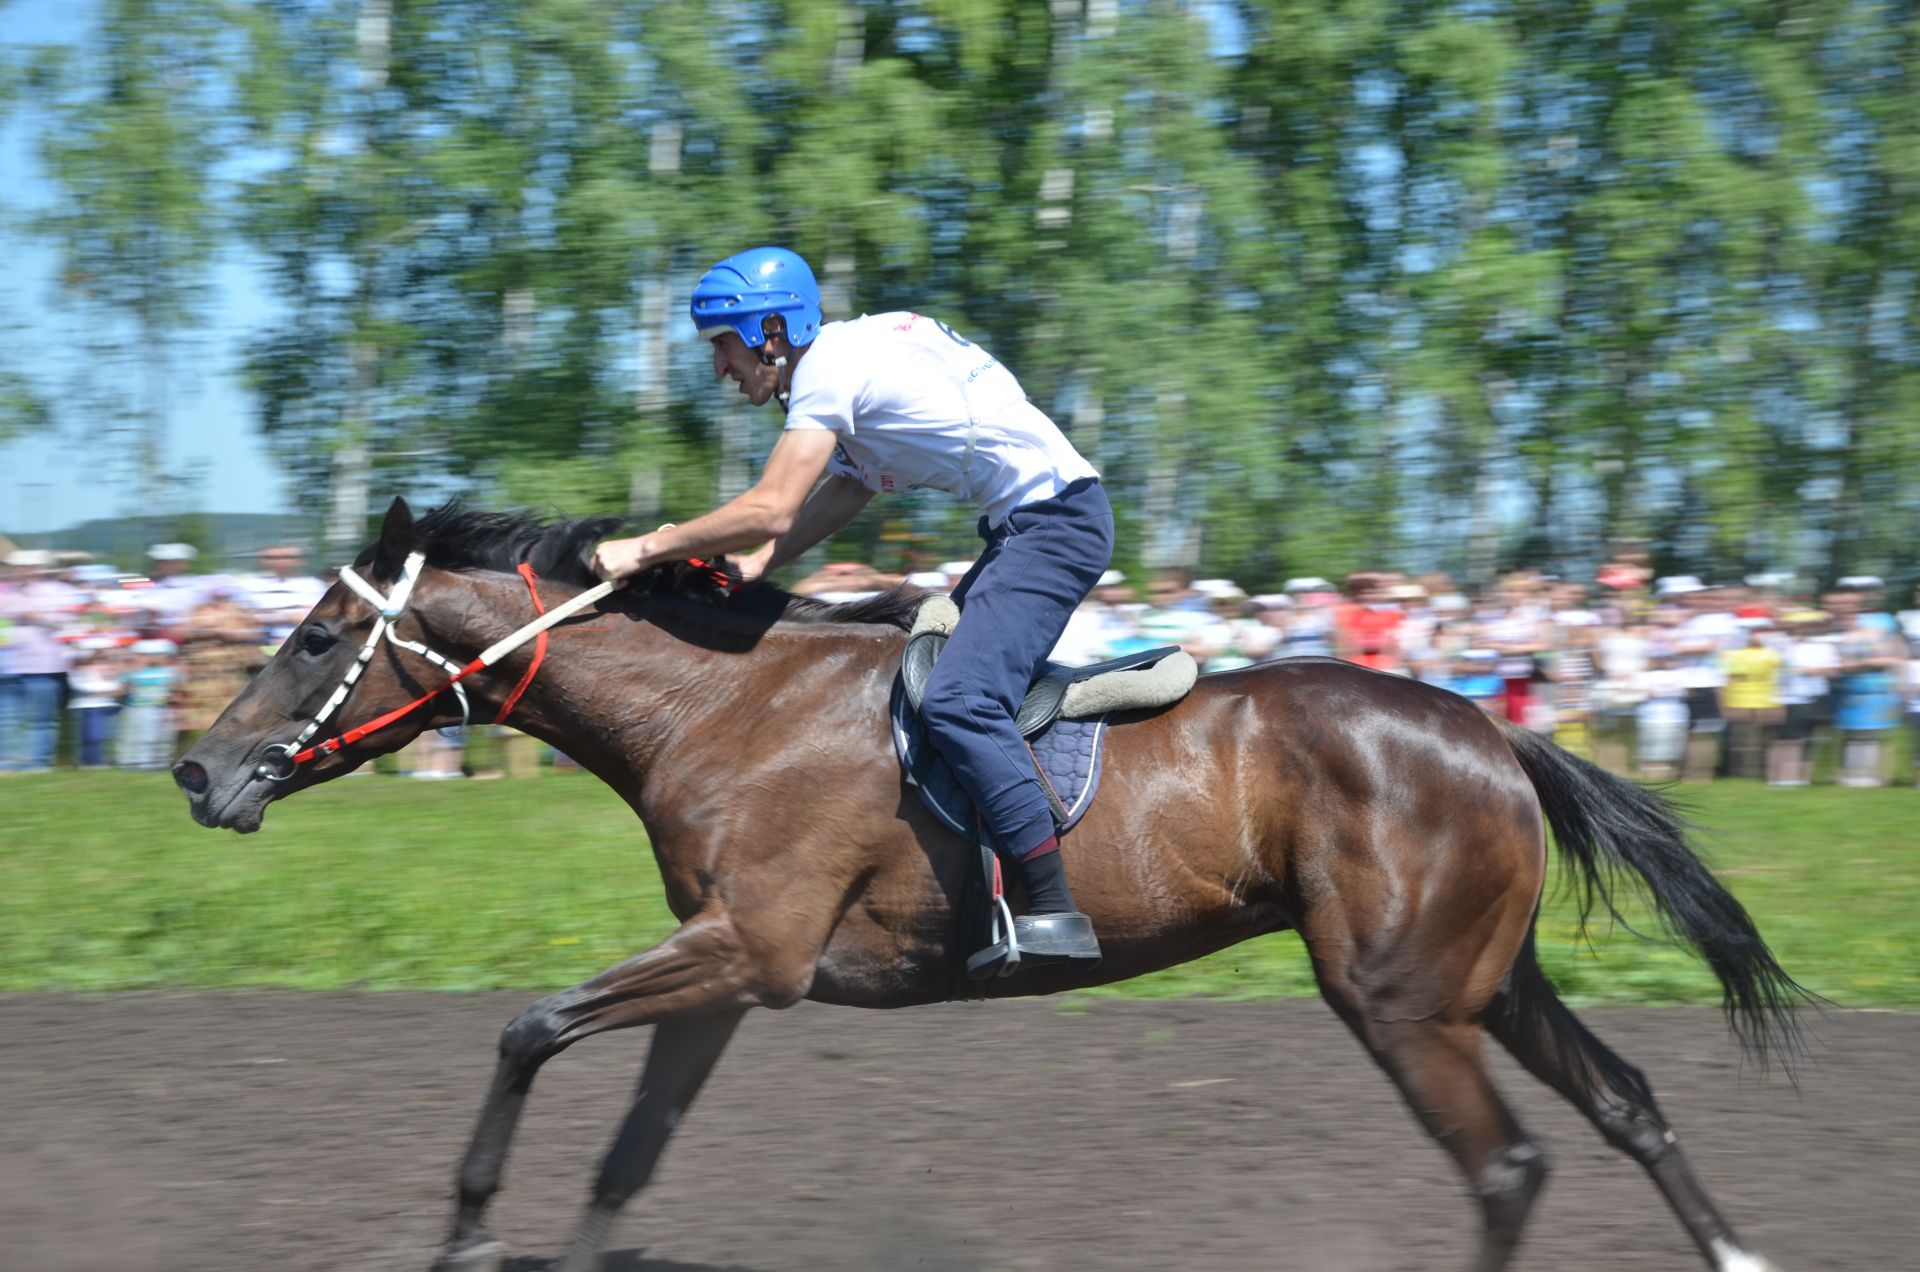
(380, 722)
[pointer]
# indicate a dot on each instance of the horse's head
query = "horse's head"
(355, 657)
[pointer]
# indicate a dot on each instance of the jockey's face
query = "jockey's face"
(732, 360)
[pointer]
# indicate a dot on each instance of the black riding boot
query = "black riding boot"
(1053, 927)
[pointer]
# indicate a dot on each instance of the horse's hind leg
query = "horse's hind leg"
(1440, 1069)
(1550, 1042)
(1418, 1014)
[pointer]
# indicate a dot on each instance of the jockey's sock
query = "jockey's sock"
(1045, 875)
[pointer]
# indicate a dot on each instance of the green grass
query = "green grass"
(388, 884)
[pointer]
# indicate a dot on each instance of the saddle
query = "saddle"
(1059, 692)
(1064, 720)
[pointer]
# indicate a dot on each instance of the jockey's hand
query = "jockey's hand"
(754, 564)
(619, 558)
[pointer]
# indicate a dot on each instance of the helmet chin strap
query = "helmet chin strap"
(779, 364)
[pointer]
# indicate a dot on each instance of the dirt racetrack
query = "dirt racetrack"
(162, 1133)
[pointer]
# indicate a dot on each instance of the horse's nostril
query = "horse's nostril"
(191, 777)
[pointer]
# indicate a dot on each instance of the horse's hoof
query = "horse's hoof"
(484, 1255)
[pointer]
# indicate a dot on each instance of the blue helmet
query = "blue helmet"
(741, 290)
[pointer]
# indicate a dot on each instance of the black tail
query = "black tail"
(1603, 823)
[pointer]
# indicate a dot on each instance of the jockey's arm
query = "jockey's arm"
(837, 501)
(770, 510)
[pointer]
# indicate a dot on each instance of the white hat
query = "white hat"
(1679, 585)
(30, 559)
(154, 645)
(1219, 589)
(954, 569)
(932, 580)
(173, 552)
(1859, 583)
(1306, 584)
(1112, 578)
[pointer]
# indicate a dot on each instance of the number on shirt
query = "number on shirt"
(953, 335)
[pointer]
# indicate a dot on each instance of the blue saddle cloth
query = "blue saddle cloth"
(1068, 751)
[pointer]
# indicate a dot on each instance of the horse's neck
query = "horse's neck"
(624, 695)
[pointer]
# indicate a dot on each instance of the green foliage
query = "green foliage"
(390, 884)
(1318, 286)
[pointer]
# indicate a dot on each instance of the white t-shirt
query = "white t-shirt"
(903, 392)
(1809, 664)
(281, 603)
(1666, 696)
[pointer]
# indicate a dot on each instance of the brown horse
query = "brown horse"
(1392, 824)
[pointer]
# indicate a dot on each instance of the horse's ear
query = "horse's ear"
(396, 538)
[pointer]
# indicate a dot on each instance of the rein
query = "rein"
(283, 759)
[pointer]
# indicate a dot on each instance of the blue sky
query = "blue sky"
(57, 480)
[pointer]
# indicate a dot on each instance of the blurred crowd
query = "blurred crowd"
(1664, 678)
(123, 670)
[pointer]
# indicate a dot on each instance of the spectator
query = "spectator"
(1661, 719)
(1176, 614)
(219, 652)
(1913, 704)
(1233, 638)
(96, 686)
(843, 581)
(1805, 679)
(146, 722)
(36, 606)
(172, 590)
(1476, 677)
(1621, 655)
(281, 596)
(1869, 594)
(1572, 672)
(1750, 701)
(1367, 626)
(1909, 621)
(1706, 629)
(1271, 611)
(1867, 689)
(436, 755)
(1099, 627)
(1308, 628)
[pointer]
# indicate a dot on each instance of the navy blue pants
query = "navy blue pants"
(1038, 566)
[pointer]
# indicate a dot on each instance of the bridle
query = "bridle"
(282, 760)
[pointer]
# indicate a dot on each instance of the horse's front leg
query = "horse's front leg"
(696, 983)
(684, 1051)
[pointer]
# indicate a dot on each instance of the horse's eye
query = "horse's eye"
(316, 641)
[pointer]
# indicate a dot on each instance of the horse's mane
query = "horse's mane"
(455, 537)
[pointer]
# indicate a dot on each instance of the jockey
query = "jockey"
(899, 401)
